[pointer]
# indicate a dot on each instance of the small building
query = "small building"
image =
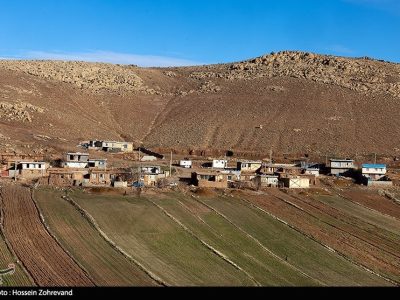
(232, 174)
(296, 182)
(341, 167)
(151, 169)
(95, 145)
(311, 171)
(266, 180)
(32, 170)
(66, 177)
(113, 146)
(374, 171)
(76, 160)
(185, 163)
(219, 163)
(212, 179)
(98, 178)
(151, 179)
(271, 168)
(248, 165)
(97, 163)
(247, 176)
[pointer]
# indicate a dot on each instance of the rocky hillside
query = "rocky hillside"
(287, 101)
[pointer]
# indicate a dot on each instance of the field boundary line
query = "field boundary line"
(94, 224)
(205, 244)
(341, 211)
(43, 221)
(270, 252)
(15, 256)
(368, 208)
(322, 244)
(387, 252)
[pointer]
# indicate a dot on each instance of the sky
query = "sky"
(193, 32)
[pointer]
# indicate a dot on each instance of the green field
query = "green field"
(19, 278)
(105, 265)
(159, 243)
(386, 225)
(216, 240)
(306, 254)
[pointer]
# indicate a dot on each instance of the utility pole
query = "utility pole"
(270, 156)
(170, 166)
(15, 170)
(375, 158)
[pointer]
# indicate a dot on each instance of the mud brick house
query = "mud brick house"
(279, 168)
(295, 182)
(342, 167)
(232, 174)
(98, 177)
(76, 160)
(151, 175)
(32, 170)
(266, 180)
(249, 166)
(111, 146)
(66, 177)
(211, 179)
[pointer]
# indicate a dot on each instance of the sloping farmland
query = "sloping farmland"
(159, 244)
(105, 264)
(348, 236)
(45, 260)
(19, 278)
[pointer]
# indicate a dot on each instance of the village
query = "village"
(149, 169)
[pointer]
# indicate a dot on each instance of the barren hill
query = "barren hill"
(288, 101)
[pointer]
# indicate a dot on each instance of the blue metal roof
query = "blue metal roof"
(374, 166)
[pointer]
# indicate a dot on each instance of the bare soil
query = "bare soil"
(45, 260)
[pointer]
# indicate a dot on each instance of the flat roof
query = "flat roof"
(209, 173)
(77, 153)
(98, 159)
(345, 160)
(32, 162)
(372, 166)
(250, 161)
(116, 142)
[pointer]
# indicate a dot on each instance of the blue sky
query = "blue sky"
(185, 32)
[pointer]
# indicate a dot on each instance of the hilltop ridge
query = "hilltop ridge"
(305, 102)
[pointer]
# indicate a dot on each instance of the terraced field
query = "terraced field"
(239, 238)
(351, 237)
(19, 278)
(373, 201)
(227, 240)
(158, 243)
(45, 260)
(106, 265)
(301, 251)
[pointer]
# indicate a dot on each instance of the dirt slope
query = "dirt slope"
(304, 102)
